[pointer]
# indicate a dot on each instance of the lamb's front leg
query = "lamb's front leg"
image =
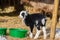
(31, 30)
(37, 33)
(31, 35)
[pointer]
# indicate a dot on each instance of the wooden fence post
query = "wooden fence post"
(54, 17)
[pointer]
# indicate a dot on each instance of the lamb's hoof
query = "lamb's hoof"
(35, 37)
(31, 36)
(44, 38)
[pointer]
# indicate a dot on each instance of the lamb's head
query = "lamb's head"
(23, 14)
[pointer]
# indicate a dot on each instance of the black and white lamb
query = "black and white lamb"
(37, 19)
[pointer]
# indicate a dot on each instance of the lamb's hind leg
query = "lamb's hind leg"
(44, 28)
(44, 32)
(37, 33)
(37, 29)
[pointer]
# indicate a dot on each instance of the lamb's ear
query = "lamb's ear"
(27, 12)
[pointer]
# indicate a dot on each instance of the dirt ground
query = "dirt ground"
(15, 22)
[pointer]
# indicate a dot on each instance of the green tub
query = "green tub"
(3, 31)
(17, 33)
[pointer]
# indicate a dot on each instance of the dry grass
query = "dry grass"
(7, 9)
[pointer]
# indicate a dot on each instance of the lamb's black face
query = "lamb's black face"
(23, 14)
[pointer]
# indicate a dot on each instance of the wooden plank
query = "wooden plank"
(54, 17)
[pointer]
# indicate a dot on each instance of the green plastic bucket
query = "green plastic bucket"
(17, 33)
(3, 31)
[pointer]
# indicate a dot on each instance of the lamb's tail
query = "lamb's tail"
(43, 12)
